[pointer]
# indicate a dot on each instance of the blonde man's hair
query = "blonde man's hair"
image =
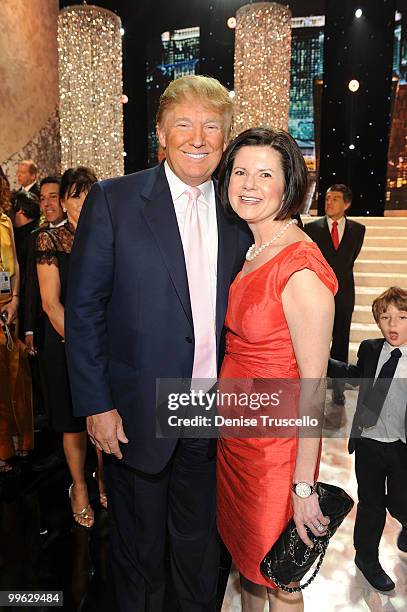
(32, 166)
(206, 89)
(393, 295)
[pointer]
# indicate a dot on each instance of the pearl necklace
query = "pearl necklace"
(252, 253)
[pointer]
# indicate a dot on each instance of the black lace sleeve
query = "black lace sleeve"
(46, 250)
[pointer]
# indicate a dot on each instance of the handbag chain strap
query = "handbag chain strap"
(322, 547)
(308, 549)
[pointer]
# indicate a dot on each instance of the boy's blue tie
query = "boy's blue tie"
(380, 389)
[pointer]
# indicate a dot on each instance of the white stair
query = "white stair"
(363, 314)
(376, 266)
(382, 221)
(380, 253)
(383, 230)
(382, 262)
(361, 331)
(385, 241)
(364, 296)
(387, 279)
(353, 351)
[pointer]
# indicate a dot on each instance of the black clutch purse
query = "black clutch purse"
(290, 559)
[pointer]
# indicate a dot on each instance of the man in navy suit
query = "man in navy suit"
(134, 314)
(340, 240)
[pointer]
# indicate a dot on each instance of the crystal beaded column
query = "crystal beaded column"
(90, 89)
(262, 66)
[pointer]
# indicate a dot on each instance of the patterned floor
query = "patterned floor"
(340, 587)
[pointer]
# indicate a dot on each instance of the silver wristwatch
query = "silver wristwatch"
(303, 489)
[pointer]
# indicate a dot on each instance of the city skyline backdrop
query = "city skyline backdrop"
(178, 53)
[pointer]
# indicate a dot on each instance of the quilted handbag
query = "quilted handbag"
(290, 558)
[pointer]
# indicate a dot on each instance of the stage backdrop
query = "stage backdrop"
(29, 125)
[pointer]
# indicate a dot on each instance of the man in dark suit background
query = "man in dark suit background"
(340, 240)
(25, 216)
(27, 172)
(136, 313)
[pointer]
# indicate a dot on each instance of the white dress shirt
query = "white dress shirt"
(28, 187)
(341, 226)
(207, 215)
(390, 425)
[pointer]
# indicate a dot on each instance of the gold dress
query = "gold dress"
(16, 415)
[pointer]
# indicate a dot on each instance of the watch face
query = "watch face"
(303, 489)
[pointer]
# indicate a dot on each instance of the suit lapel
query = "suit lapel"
(227, 239)
(369, 368)
(160, 215)
(327, 236)
(372, 358)
(346, 235)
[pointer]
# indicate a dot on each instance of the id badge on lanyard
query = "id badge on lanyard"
(5, 282)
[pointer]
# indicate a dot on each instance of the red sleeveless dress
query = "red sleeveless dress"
(254, 475)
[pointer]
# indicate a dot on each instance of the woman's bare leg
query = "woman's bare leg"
(75, 446)
(254, 596)
(280, 601)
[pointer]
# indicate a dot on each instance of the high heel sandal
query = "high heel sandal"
(5, 467)
(83, 514)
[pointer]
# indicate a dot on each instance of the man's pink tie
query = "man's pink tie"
(197, 264)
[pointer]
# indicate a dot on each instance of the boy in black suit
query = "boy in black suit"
(378, 434)
(340, 240)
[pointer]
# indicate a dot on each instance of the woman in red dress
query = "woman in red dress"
(279, 326)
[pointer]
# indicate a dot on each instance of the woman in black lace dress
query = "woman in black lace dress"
(53, 251)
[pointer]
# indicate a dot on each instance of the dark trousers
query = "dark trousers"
(171, 511)
(340, 339)
(381, 467)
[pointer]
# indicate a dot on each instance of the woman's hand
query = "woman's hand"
(308, 513)
(10, 309)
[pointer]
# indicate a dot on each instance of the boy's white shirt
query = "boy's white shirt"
(390, 425)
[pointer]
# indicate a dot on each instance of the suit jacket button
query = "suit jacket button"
(188, 339)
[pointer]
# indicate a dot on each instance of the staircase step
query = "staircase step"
(400, 213)
(383, 252)
(386, 241)
(353, 351)
(382, 262)
(381, 230)
(373, 265)
(386, 279)
(362, 314)
(383, 221)
(361, 331)
(364, 296)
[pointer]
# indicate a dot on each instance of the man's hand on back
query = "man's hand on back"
(106, 431)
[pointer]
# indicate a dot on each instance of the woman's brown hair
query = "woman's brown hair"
(292, 162)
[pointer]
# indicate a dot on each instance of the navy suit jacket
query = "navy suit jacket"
(128, 311)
